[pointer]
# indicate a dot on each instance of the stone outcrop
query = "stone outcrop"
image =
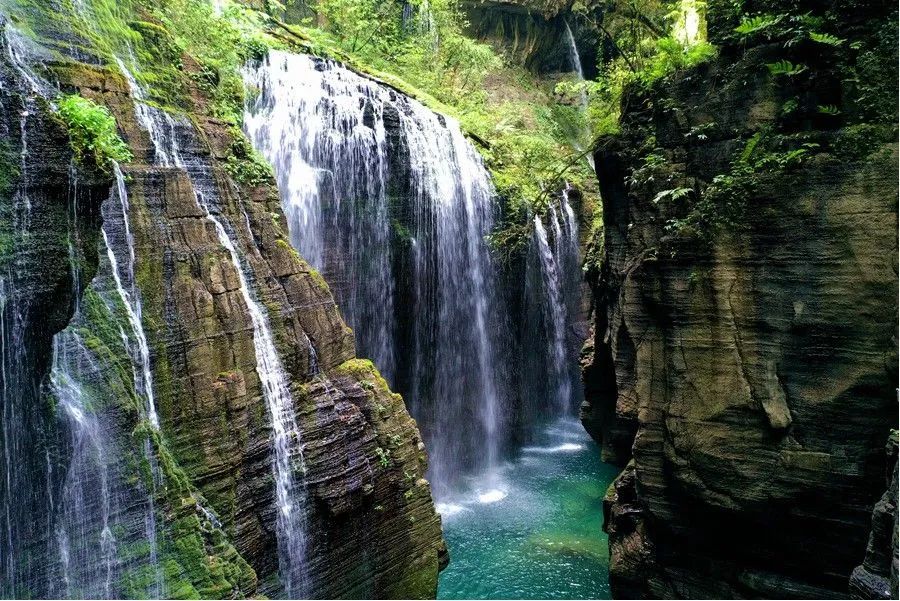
(372, 529)
(749, 376)
(532, 33)
(876, 577)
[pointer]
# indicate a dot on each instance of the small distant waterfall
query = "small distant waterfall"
(575, 61)
(584, 101)
(392, 203)
(172, 139)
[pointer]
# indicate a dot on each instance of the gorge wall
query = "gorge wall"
(188, 507)
(744, 360)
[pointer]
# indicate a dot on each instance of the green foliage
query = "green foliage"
(857, 142)
(674, 194)
(825, 38)
(722, 204)
(671, 55)
(384, 457)
(363, 25)
(92, 132)
(244, 163)
(757, 23)
(651, 43)
(784, 67)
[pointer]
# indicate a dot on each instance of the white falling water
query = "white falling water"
(556, 295)
(391, 202)
(164, 133)
(131, 299)
(24, 495)
(575, 62)
(555, 317)
(288, 454)
(325, 134)
(86, 543)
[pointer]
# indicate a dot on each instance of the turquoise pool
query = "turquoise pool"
(533, 530)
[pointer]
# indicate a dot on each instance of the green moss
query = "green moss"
(856, 142)
(319, 281)
(199, 560)
(363, 370)
(9, 168)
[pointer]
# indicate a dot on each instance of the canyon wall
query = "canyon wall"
(744, 361)
(371, 529)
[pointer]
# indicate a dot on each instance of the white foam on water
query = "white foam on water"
(492, 496)
(449, 509)
(566, 447)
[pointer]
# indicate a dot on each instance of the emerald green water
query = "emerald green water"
(533, 531)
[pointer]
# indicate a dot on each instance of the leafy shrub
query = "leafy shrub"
(92, 132)
(244, 163)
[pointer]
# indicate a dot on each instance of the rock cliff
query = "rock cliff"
(371, 529)
(744, 361)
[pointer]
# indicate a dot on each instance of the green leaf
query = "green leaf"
(784, 67)
(675, 194)
(751, 25)
(825, 38)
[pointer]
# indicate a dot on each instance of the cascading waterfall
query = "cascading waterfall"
(347, 153)
(96, 509)
(26, 502)
(555, 318)
(332, 171)
(123, 275)
(552, 300)
(169, 137)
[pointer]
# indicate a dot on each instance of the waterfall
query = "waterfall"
(553, 301)
(26, 501)
(170, 136)
(391, 202)
(123, 276)
(555, 318)
(131, 299)
(85, 539)
(575, 61)
(329, 147)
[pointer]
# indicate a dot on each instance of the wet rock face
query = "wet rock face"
(532, 33)
(372, 529)
(876, 577)
(758, 372)
(37, 200)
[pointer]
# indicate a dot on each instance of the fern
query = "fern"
(675, 194)
(825, 38)
(752, 143)
(751, 25)
(829, 109)
(784, 67)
